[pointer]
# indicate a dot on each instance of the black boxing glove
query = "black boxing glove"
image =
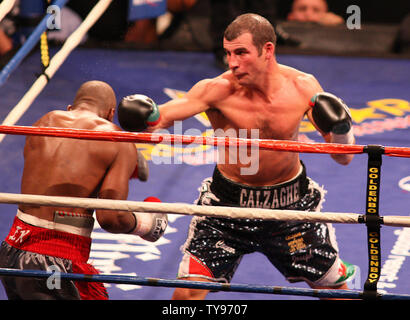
(136, 112)
(330, 113)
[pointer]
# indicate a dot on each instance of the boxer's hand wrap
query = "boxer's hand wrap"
(347, 138)
(331, 114)
(141, 171)
(150, 226)
(137, 112)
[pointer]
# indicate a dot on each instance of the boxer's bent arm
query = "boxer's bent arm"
(115, 186)
(343, 159)
(309, 87)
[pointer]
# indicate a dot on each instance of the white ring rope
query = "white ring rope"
(189, 209)
(5, 7)
(69, 45)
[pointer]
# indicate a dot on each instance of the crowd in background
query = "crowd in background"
(115, 25)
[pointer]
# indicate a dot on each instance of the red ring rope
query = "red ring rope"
(124, 136)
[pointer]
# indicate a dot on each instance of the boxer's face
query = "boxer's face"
(243, 59)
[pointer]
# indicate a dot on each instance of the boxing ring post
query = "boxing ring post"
(372, 220)
(69, 45)
(28, 45)
(5, 7)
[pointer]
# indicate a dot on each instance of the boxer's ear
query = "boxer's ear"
(269, 50)
(110, 115)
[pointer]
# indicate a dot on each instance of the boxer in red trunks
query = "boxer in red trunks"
(256, 94)
(58, 238)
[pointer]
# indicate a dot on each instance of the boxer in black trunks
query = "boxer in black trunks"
(300, 251)
(256, 93)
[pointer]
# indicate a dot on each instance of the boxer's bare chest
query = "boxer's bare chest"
(276, 117)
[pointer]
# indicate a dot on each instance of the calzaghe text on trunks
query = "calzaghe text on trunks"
(275, 198)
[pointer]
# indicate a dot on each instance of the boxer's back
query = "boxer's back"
(65, 166)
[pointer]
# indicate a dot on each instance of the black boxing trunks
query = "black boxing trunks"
(301, 251)
(62, 245)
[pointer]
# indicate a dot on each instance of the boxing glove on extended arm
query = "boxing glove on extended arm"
(137, 112)
(150, 226)
(331, 115)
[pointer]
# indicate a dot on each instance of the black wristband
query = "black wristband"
(135, 224)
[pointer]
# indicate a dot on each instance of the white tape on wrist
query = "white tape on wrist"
(347, 138)
(144, 223)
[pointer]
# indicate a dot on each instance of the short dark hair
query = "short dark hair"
(98, 93)
(259, 27)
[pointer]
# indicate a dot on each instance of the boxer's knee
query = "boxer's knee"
(337, 277)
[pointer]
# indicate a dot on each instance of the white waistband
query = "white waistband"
(47, 224)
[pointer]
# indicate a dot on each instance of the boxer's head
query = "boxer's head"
(260, 29)
(249, 43)
(97, 95)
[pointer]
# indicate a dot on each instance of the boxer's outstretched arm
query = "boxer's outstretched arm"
(138, 112)
(201, 97)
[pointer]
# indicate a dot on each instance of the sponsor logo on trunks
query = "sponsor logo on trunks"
(221, 244)
(19, 235)
(295, 242)
(270, 199)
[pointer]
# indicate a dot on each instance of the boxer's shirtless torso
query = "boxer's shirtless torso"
(276, 117)
(59, 166)
(231, 105)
